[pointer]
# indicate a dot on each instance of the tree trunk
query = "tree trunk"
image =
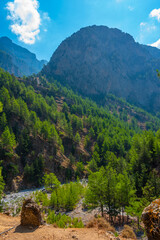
(138, 222)
(102, 210)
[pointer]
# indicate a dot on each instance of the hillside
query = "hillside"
(97, 60)
(18, 60)
(47, 128)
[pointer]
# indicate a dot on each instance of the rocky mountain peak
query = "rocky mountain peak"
(98, 60)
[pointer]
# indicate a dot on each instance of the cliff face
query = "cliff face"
(97, 60)
(18, 60)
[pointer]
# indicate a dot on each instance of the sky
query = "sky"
(41, 25)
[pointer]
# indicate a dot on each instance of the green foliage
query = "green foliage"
(64, 221)
(51, 182)
(28, 173)
(92, 165)
(3, 121)
(42, 198)
(107, 188)
(96, 192)
(77, 138)
(8, 140)
(80, 169)
(136, 208)
(34, 172)
(144, 159)
(2, 184)
(112, 137)
(66, 196)
(1, 107)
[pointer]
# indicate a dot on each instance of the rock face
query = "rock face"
(151, 220)
(18, 60)
(30, 215)
(98, 60)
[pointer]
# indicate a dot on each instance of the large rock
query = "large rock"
(151, 220)
(30, 215)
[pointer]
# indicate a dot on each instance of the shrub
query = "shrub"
(64, 221)
(128, 232)
(100, 223)
(66, 196)
(41, 197)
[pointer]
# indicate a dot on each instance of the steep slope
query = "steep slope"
(18, 60)
(47, 128)
(98, 60)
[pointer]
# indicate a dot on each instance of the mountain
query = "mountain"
(98, 60)
(7, 63)
(18, 60)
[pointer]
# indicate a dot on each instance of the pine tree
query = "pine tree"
(8, 140)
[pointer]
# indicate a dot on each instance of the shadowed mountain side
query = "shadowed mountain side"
(18, 60)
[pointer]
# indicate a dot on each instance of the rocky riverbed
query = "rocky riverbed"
(12, 202)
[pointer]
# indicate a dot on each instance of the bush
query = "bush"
(128, 232)
(64, 221)
(66, 196)
(101, 223)
(41, 197)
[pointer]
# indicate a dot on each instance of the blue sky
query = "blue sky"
(41, 25)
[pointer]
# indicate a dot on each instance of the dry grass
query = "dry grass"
(128, 232)
(102, 224)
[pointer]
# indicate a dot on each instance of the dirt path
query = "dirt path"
(51, 233)
(7, 222)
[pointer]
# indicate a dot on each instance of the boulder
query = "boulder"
(151, 220)
(30, 214)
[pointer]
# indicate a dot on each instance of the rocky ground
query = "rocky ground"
(12, 202)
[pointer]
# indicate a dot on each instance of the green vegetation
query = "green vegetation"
(110, 189)
(48, 128)
(63, 197)
(66, 196)
(1, 184)
(51, 182)
(64, 221)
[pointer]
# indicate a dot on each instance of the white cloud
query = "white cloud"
(142, 24)
(131, 8)
(46, 16)
(155, 13)
(156, 44)
(25, 19)
(147, 27)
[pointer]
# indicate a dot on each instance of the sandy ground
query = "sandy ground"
(51, 233)
(7, 222)
(46, 232)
